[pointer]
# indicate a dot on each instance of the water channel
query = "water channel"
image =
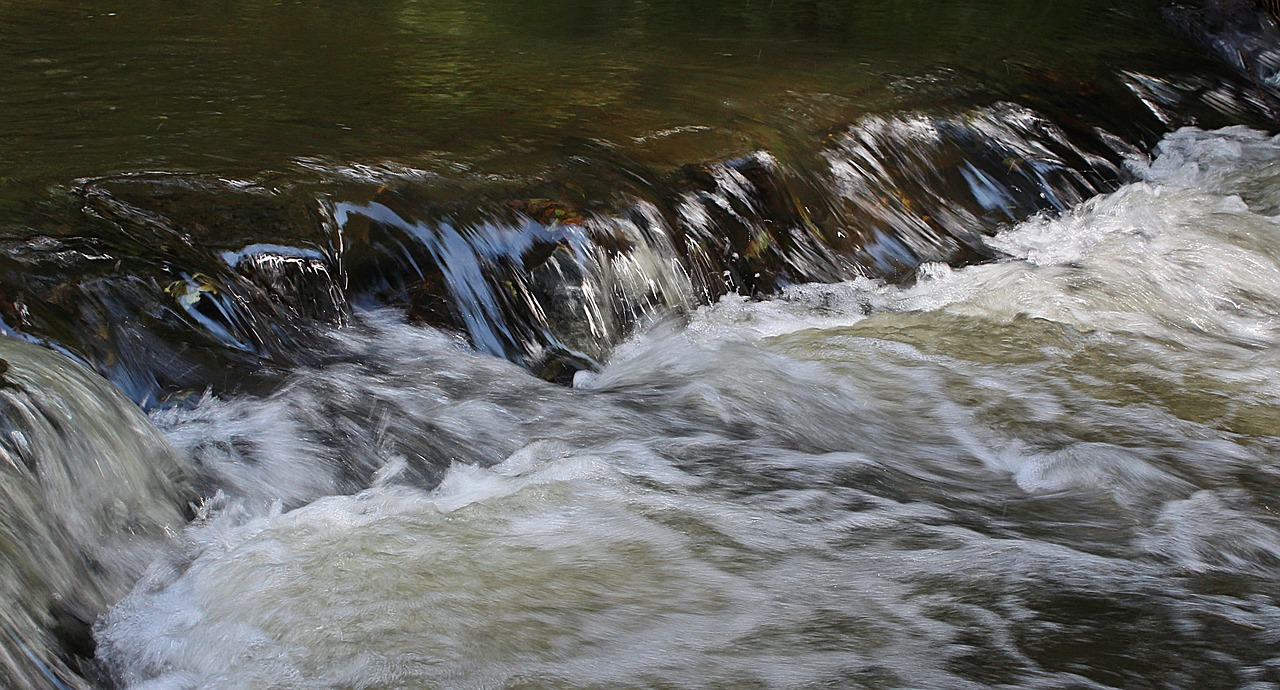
(639, 344)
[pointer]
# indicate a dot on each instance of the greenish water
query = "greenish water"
(645, 344)
(241, 87)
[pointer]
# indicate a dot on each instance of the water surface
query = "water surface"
(639, 344)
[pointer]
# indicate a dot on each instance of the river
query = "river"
(641, 344)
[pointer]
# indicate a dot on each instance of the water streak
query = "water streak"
(91, 494)
(1054, 469)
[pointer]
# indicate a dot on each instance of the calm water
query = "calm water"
(242, 87)
(639, 344)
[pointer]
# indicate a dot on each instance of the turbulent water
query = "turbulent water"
(90, 494)
(1054, 470)
(971, 380)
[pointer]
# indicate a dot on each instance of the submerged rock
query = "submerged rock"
(183, 278)
(1242, 34)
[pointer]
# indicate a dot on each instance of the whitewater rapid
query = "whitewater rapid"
(1057, 469)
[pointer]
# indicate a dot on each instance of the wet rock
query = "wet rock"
(1242, 34)
(305, 281)
(204, 210)
(154, 286)
(221, 273)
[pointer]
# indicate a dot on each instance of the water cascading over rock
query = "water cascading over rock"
(89, 493)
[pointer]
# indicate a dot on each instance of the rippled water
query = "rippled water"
(1052, 470)
(916, 351)
(243, 85)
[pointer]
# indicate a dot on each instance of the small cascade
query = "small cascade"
(840, 344)
(187, 275)
(91, 493)
(923, 188)
(169, 284)
(1043, 471)
(1242, 34)
(553, 286)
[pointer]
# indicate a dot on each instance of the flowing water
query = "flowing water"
(639, 344)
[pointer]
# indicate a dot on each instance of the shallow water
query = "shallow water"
(844, 344)
(1055, 470)
(239, 87)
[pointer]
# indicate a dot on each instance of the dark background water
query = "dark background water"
(241, 87)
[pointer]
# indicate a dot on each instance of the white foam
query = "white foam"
(853, 481)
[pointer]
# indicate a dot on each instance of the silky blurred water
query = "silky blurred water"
(1054, 470)
(639, 344)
